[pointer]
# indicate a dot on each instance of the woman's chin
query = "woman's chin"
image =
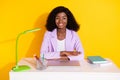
(61, 27)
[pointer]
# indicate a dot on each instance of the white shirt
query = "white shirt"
(61, 45)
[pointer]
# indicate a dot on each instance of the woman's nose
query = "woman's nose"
(60, 20)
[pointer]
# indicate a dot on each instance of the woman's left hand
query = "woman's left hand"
(69, 53)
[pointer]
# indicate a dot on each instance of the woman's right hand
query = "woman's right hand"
(64, 59)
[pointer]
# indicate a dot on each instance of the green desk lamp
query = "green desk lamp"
(19, 68)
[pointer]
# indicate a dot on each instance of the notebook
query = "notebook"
(63, 63)
(97, 59)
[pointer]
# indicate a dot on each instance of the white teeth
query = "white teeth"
(60, 24)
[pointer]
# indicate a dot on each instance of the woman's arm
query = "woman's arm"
(69, 53)
(77, 53)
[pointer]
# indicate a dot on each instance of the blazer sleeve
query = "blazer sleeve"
(46, 49)
(78, 47)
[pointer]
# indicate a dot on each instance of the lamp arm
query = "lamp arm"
(22, 67)
(17, 48)
(27, 31)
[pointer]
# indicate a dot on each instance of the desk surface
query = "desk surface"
(85, 71)
(84, 67)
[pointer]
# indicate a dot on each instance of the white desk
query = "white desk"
(85, 71)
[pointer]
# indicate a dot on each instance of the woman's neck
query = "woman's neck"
(61, 30)
(61, 34)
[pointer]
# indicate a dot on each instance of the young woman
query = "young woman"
(61, 40)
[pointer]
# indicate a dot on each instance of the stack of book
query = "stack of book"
(97, 60)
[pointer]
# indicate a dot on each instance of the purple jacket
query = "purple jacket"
(49, 45)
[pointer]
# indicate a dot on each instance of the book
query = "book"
(96, 59)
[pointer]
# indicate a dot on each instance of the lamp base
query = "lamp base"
(21, 68)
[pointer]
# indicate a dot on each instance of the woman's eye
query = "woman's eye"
(64, 18)
(56, 18)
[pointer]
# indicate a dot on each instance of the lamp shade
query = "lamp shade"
(22, 67)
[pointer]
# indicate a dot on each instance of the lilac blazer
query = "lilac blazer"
(49, 45)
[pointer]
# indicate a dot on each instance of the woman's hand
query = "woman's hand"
(69, 53)
(64, 59)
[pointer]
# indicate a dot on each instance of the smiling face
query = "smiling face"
(61, 20)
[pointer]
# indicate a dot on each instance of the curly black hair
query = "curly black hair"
(71, 24)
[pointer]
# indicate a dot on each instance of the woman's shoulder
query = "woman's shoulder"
(71, 32)
(50, 33)
(47, 33)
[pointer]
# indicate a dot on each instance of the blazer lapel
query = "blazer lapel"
(68, 39)
(54, 40)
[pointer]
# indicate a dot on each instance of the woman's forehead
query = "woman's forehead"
(61, 14)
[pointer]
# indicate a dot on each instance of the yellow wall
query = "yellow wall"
(99, 19)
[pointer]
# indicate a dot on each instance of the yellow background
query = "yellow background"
(99, 32)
